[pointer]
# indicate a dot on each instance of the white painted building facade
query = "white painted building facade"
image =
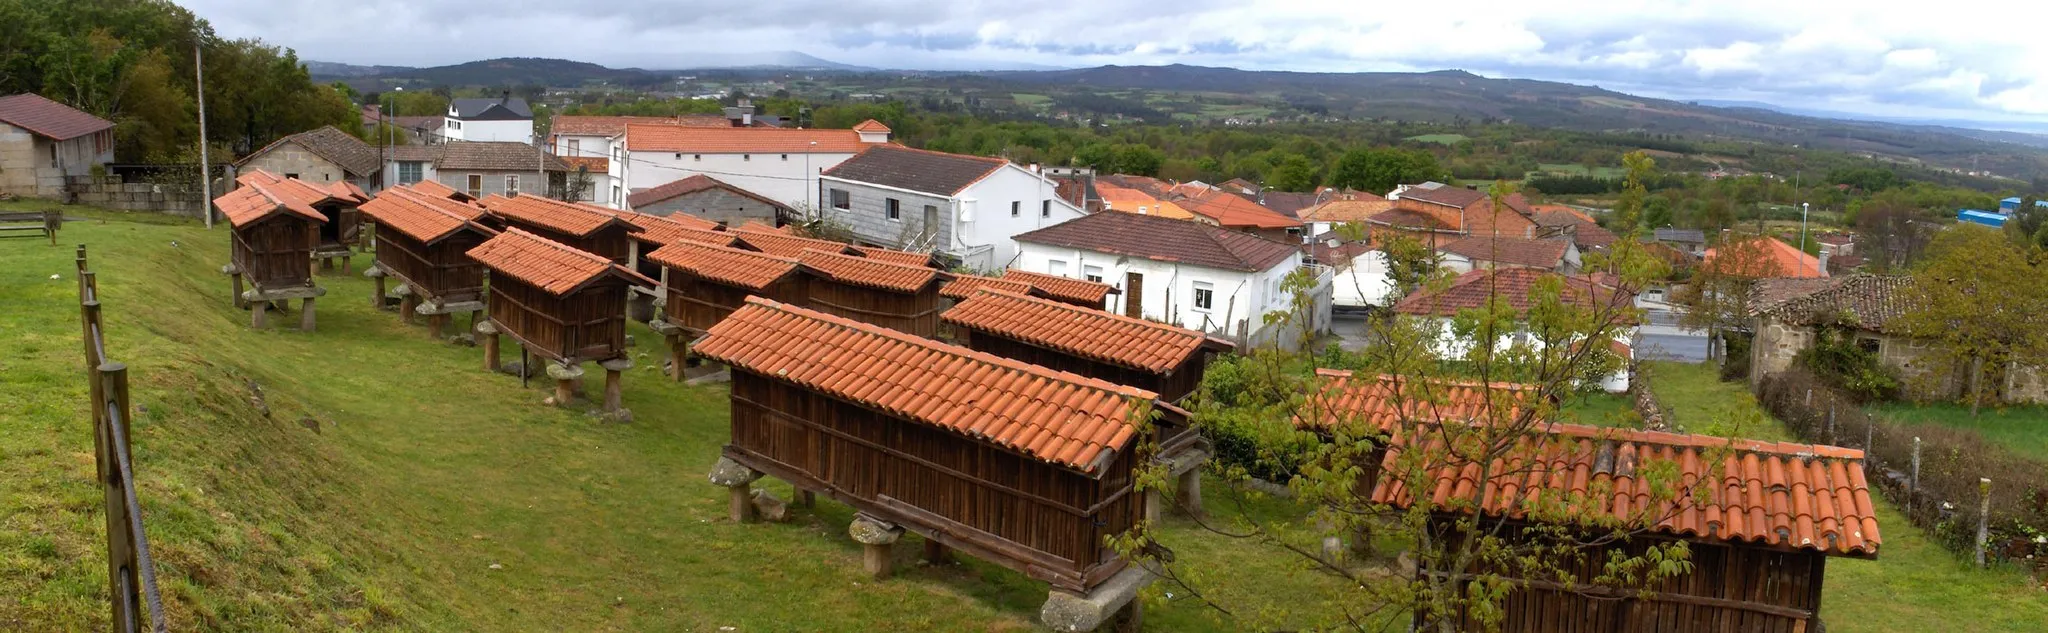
(975, 225)
(1232, 303)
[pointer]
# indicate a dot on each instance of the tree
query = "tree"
(1251, 404)
(1717, 300)
(1382, 169)
(1294, 173)
(1891, 237)
(1628, 209)
(1979, 298)
(2029, 225)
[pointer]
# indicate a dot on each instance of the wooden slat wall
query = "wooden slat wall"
(1767, 591)
(696, 303)
(443, 269)
(586, 325)
(611, 242)
(910, 313)
(276, 252)
(1044, 514)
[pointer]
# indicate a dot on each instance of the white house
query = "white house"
(44, 143)
(476, 168)
(964, 207)
(1185, 273)
(779, 163)
(1511, 287)
(596, 145)
(501, 119)
(1362, 274)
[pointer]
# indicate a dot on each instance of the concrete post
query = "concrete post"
(1913, 487)
(1983, 517)
(878, 541)
(1153, 505)
(306, 314)
(614, 370)
(566, 377)
(258, 314)
(237, 277)
(737, 478)
(490, 334)
(377, 297)
(1188, 495)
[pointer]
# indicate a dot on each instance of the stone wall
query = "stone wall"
(717, 205)
(867, 217)
(1922, 372)
(288, 159)
(110, 193)
(1775, 344)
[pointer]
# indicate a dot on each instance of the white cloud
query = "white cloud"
(1889, 53)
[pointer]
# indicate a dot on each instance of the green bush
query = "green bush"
(1837, 360)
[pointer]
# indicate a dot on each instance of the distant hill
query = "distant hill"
(789, 60)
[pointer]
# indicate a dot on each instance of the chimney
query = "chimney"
(741, 114)
(505, 97)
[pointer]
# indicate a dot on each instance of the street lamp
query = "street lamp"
(1804, 209)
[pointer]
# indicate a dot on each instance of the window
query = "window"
(841, 199)
(511, 184)
(692, 156)
(575, 147)
(892, 208)
(1056, 267)
(1016, 207)
(409, 171)
(476, 186)
(291, 175)
(785, 157)
(53, 154)
(1045, 208)
(747, 157)
(615, 196)
(1093, 273)
(931, 216)
(1869, 345)
(1205, 296)
(618, 153)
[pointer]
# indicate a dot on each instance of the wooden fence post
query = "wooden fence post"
(1913, 488)
(123, 579)
(1831, 426)
(1869, 434)
(1983, 517)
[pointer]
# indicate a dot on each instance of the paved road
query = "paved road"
(1679, 347)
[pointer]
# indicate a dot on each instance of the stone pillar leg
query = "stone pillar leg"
(406, 305)
(1113, 603)
(677, 350)
(878, 542)
(344, 265)
(306, 315)
(1154, 505)
(806, 498)
(1188, 495)
(566, 377)
(377, 298)
(439, 322)
(259, 314)
(737, 478)
(239, 301)
(614, 370)
(490, 334)
(1130, 619)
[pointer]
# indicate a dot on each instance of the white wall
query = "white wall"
(1169, 287)
(427, 172)
(770, 175)
(992, 226)
(519, 131)
(1368, 281)
(1451, 346)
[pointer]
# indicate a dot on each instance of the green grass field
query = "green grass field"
(1440, 139)
(1031, 100)
(2022, 429)
(424, 473)
(1578, 170)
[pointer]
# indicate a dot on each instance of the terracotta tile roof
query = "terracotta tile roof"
(300, 192)
(871, 125)
(786, 245)
(1092, 334)
(871, 273)
(1057, 417)
(964, 286)
(1289, 203)
(435, 188)
(937, 173)
(1233, 211)
(1547, 254)
(906, 258)
(1344, 253)
(1511, 287)
(568, 217)
(423, 217)
(1419, 218)
(1761, 257)
(756, 226)
(1682, 236)
(555, 268)
(582, 125)
(1382, 402)
(1131, 200)
(1874, 300)
(1540, 209)
(328, 142)
(1798, 496)
(1063, 288)
(593, 164)
(740, 140)
(255, 202)
(657, 229)
(1584, 231)
(1448, 195)
(1163, 239)
(1356, 210)
(49, 119)
(731, 266)
(692, 184)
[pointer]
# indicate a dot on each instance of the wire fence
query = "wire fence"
(131, 574)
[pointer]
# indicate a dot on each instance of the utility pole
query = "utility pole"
(205, 167)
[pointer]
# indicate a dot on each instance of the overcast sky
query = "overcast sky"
(1949, 58)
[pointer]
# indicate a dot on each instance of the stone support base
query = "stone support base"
(566, 378)
(1113, 602)
(878, 542)
(614, 393)
(737, 478)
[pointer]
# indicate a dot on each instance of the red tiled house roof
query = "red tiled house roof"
(1347, 210)
(587, 125)
(1233, 211)
(872, 273)
(870, 125)
(570, 218)
(731, 266)
(1511, 287)
(693, 184)
(1795, 496)
(741, 140)
(49, 119)
(1066, 289)
(1547, 254)
(1093, 334)
(1761, 257)
(1061, 418)
(1163, 239)
(964, 286)
(551, 266)
(1874, 300)
(1382, 402)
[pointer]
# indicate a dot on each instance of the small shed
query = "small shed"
(906, 258)
(961, 447)
(272, 244)
(561, 303)
(336, 201)
(1164, 359)
(591, 229)
(707, 282)
(895, 296)
(1760, 520)
(655, 232)
(423, 241)
(437, 189)
(1080, 292)
(781, 244)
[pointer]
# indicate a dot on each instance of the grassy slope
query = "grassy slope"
(2022, 429)
(425, 472)
(1914, 585)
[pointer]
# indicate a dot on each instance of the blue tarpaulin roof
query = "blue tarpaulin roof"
(1985, 218)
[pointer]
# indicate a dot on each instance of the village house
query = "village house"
(489, 119)
(1787, 315)
(1693, 241)
(44, 143)
(1476, 252)
(1190, 274)
(1363, 277)
(1556, 220)
(1125, 199)
(965, 208)
(711, 199)
(1238, 213)
(1510, 287)
(1758, 257)
(1463, 211)
(596, 145)
(323, 155)
(1347, 209)
(777, 163)
(477, 169)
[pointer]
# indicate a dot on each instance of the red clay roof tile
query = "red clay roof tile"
(1057, 417)
(658, 229)
(872, 273)
(568, 217)
(693, 184)
(731, 266)
(786, 245)
(1510, 286)
(423, 217)
(964, 286)
(1092, 334)
(741, 140)
(50, 119)
(551, 266)
(1383, 401)
(906, 258)
(1064, 288)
